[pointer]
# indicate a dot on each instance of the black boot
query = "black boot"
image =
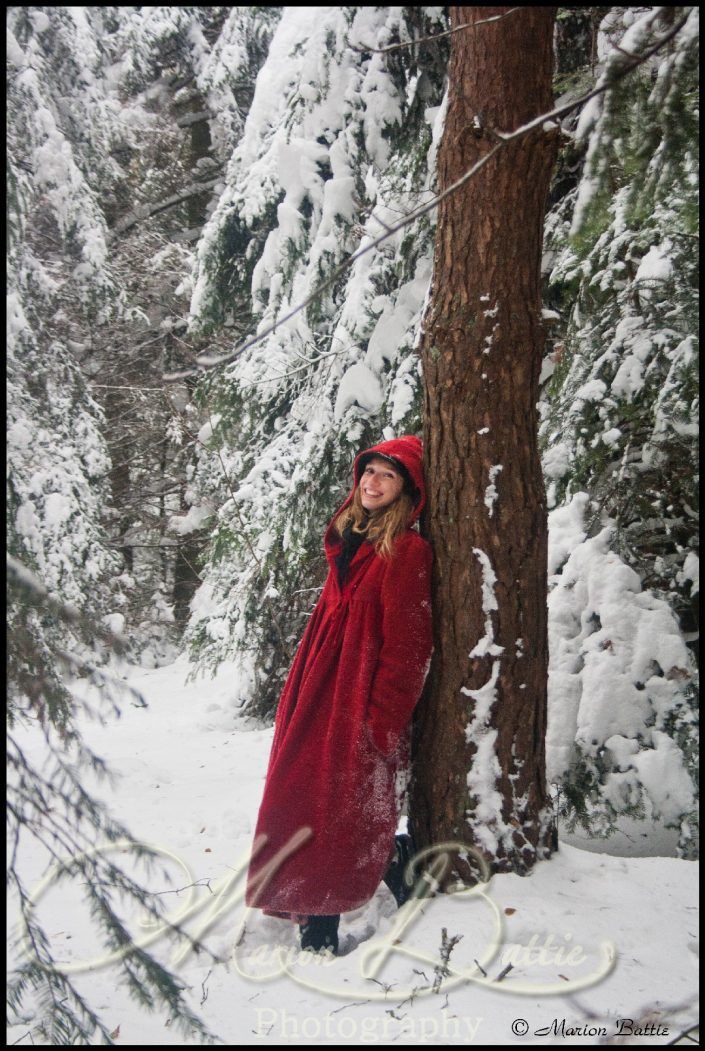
(394, 876)
(320, 932)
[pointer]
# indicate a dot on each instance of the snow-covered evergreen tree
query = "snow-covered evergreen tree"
(59, 282)
(337, 146)
(119, 121)
(187, 74)
(76, 137)
(619, 432)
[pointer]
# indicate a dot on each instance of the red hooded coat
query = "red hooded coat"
(330, 807)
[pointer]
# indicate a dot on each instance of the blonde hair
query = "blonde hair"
(384, 526)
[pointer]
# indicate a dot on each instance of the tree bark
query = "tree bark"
(479, 734)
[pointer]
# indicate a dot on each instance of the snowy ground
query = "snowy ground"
(592, 938)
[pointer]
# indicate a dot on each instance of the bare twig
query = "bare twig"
(122, 544)
(411, 997)
(434, 36)
(385, 985)
(204, 991)
(337, 272)
(105, 386)
(355, 1003)
(447, 946)
(187, 886)
(686, 1035)
(641, 1016)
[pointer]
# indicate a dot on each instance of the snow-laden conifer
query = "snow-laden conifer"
(620, 425)
(75, 141)
(336, 146)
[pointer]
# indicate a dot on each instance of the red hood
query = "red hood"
(408, 451)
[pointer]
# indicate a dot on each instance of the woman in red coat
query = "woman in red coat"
(325, 832)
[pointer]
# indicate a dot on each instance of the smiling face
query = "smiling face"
(380, 484)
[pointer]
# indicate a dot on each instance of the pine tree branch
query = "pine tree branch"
(147, 211)
(502, 139)
(38, 595)
(265, 598)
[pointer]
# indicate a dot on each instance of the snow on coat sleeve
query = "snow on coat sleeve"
(407, 643)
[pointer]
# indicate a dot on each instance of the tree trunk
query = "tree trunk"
(479, 740)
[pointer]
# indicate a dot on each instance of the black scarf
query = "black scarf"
(351, 543)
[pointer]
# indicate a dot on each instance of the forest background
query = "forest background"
(180, 180)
